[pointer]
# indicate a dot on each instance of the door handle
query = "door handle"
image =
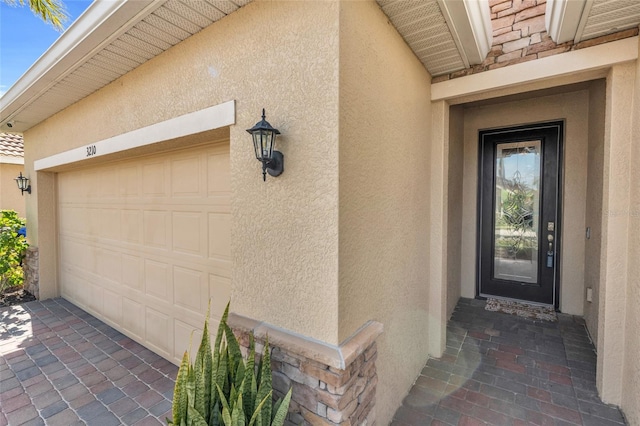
(550, 252)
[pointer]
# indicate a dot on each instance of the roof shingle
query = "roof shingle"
(11, 145)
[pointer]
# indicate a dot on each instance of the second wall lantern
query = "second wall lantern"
(23, 184)
(264, 140)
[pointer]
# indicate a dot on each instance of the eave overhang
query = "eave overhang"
(101, 23)
(579, 20)
(470, 24)
(107, 41)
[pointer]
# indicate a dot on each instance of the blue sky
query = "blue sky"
(24, 38)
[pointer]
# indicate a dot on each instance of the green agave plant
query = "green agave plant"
(221, 388)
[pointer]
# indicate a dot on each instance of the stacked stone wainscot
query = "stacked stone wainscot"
(332, 385)
(31, 274)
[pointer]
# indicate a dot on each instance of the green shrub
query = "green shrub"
(12, 249)
(221, 388)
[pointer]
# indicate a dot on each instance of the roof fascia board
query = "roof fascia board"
(102, 22)
(470, 24)
(575, 62)
(562, 19)
(583, 21)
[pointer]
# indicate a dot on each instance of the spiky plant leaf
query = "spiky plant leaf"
(216, 415)
(226, 417)
(225, 405)
(249, 392)
(240, 372)
(215, 368)
(281, 410)
(191, 387)
(222, 373)
(223, 321)
(237, 415)
(180, 391)
(195, 418)
(276, 406)
(233, 396)
(265, 385)
(198, 372)
(256, 418)
(218, 350)
(235, 353)
(204, 363)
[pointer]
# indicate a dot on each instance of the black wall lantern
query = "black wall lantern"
(23, 184)
(264, 140)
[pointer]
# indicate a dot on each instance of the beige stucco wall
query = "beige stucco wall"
(631, 370)
(355, 101)
(285, 231)
(573, 107)
(593, 210)
(615, 244)
(454, 212)
(10, 196)
(384, 196)
(438, 227)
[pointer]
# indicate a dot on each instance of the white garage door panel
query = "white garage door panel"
(145, 243)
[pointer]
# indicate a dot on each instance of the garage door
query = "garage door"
(144, 243)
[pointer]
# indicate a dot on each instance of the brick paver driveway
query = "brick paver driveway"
(61, 366)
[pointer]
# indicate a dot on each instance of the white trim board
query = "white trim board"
(575, 62)
(7, 159)
(210, 118)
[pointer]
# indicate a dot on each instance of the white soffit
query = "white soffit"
(602, 17)
(470, 24)
(110, 39)
(425, 30)
(562, 18)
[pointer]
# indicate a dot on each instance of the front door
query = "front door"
(519, 229)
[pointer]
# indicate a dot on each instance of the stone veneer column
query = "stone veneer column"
(332, 385)
(31, 274)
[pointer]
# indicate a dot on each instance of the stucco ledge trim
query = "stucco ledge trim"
(7, 159)
(210, 118)
(574, 63)
(334, 356)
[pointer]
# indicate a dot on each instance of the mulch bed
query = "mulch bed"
(15, 296)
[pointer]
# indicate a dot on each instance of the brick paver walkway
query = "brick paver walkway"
(499, 369)
(61, 366)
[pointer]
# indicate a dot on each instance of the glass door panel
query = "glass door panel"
(517, 211)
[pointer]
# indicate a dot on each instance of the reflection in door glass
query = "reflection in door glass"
(517, 207)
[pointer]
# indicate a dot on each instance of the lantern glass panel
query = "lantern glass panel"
(263, 144)
(267, 147)
(22, 182)
(257, 145)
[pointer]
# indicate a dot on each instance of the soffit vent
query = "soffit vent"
(602, 17)
(425, 30)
